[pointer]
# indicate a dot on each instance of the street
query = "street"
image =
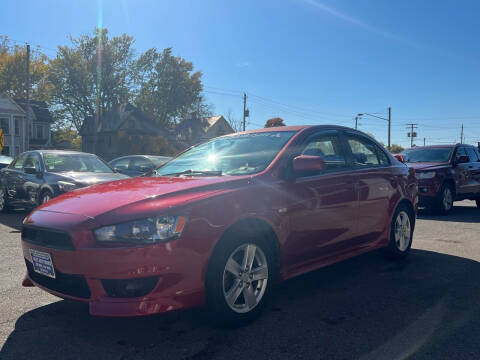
(426, 307)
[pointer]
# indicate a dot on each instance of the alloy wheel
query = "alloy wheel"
(403, 231)
(447, 201)
(2, 199)
(46, 198)
(245, 278)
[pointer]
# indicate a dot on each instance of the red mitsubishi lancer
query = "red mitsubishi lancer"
(222, 222)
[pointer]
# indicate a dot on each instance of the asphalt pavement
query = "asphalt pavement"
(426, 307)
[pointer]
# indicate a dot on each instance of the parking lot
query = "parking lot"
(365, 308)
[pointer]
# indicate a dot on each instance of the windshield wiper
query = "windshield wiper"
(195, 172)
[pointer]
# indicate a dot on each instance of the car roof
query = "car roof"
(297, 128)
(142, 156)
(434, 147)
(63, 152)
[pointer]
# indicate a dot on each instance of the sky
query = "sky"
(307, 61)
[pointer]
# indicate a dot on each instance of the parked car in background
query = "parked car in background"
(35, 177)
(136, 165)
(446, 173)
(222, 222)
(5, 161)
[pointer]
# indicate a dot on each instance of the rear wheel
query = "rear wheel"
(239, 280)
(445, 198)
(401, 233)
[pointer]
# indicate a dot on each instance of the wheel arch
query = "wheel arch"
(250, 226)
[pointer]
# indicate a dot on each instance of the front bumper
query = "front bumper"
(87, 272)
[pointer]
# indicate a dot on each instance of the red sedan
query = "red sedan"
(222, 222)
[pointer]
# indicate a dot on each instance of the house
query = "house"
(193, 131)
(40, 123)
(13, 114)
(123, 130)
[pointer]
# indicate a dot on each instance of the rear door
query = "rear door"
(322, 205)
(375, 179)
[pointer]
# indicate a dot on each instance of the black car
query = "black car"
(137, 165)
(34, 177)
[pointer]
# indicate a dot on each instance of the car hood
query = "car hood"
(428, 166)
(90, 178)
(103, 198)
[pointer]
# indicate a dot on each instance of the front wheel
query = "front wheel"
(4, 207)
(239, 279)
(45, 197)
(401, 233)
(444, 201)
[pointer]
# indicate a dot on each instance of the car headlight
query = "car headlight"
(143, 231)
(426, 175)
(66, 186)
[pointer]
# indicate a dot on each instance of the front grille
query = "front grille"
(68, 284)
(48, 238)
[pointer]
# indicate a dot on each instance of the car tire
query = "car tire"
(4, 207)
(401, 233)
(45, 196)
(237, 284)
(444, 201)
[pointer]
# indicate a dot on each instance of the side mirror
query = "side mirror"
(306, 163)
(399, 157)
(462, 159)
(30, 170)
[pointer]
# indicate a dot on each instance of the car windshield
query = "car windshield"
(441, 154)
(74, 162)
(231, 155)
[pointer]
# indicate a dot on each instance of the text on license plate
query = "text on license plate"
(42, 263)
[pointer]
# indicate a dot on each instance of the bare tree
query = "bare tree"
(235, 123)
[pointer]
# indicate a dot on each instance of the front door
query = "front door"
(321, 206)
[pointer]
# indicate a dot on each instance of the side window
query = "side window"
(366, 152)
(121, 164)
(477, 152)
(18, 164)
(142, 164)
(471, 154)
(327, 146)
(32, 160)
(460, 152)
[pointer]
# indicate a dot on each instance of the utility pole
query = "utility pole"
(461, 136)
(389, 125)
(423, 141)
(356, 122)
(412, 134)
(27, 118)
(244, 109)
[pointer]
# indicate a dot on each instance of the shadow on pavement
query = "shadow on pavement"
(468, 214)
(13, 219)
(365, 308)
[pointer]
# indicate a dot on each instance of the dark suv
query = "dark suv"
(445, 173)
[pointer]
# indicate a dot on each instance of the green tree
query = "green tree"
(167, 87)
(395, 149)
(91, 75)
(274, 122)
(13, 77)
